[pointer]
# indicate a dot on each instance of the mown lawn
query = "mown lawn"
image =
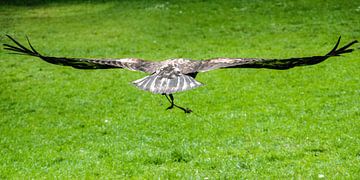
(59, 122)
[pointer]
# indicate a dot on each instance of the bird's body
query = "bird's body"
(169, 77)
(176, 75)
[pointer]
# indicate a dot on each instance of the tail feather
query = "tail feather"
(163, 85)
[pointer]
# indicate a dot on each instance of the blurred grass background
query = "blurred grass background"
(58, 122)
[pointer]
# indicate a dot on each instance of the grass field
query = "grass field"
(250, 123)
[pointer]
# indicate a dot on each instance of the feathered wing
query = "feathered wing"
(281, 64)
(83, 63)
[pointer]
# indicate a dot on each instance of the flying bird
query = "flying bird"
(175, 75)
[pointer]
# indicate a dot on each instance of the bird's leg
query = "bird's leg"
(171, 100)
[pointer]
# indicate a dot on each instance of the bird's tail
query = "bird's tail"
(162, 85)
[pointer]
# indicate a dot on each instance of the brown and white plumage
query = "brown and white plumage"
(168, 79)
(176, 75)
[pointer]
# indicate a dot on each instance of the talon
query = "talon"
(187, 110)
(171, 100)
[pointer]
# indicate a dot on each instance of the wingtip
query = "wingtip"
(10, 37)
(335, 47)
(342, 50)
(20, 48)
(27, 38)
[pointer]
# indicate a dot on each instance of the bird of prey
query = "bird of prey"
(176, 75)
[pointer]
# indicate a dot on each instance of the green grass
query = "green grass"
(250, 123)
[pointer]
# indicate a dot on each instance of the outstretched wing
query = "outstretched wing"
(82, 63)
(280, 64)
